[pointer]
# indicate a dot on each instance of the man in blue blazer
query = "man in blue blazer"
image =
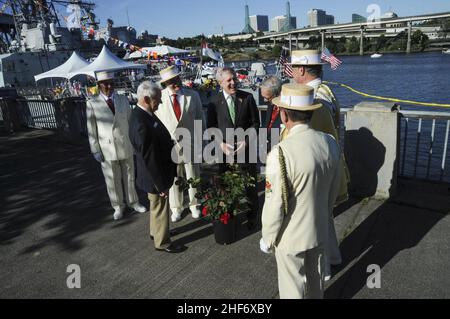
(156, 170)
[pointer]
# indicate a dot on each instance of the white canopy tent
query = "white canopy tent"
(75, 62)
(161, 50)
(106, 61)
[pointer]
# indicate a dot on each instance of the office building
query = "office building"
(259, 23)
(278, 23)
(318, 17)
(356, 18)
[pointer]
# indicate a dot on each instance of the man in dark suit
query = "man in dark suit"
(156, 170)
(234, 109)
(271, 89)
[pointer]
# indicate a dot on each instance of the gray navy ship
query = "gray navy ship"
(35, 37)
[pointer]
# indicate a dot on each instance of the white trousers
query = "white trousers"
(301, 276)
(115, 172)
(176, 195)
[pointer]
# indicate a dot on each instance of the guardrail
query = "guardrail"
(424, 144)
(38, 114)
(67, 116)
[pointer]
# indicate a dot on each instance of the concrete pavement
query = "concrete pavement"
(55, 212)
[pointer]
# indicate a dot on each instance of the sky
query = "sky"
(176, 18)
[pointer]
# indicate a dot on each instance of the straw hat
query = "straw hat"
(306, 57)
(105, 76)
(297, 97)
(169, 73)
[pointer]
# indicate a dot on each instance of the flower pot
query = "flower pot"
(225, 234)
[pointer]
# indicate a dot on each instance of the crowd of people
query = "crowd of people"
(306, 174)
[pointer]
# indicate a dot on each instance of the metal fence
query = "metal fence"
(424, 149)
(424, 145)
(67, 116)
(38, 114)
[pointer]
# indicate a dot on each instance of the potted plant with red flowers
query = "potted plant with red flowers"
(223, 198)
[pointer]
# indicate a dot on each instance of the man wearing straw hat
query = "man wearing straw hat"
(308, 70)
(301, 189)
(180, 109)
(107, 121)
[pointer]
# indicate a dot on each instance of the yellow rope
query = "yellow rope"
(388, 98)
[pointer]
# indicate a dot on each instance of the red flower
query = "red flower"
(225, 218)
(205, 211)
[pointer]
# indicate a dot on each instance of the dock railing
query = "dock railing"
(67, 115)
(424, 143)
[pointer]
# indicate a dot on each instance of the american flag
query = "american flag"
(284, 64)
(330, 58)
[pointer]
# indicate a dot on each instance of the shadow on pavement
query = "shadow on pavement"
(56, 184)
(392, 228)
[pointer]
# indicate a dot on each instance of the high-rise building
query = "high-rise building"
(259, 23)
(329, 19)
(318, 17)
(248, 28)
(356, 18)
(288, 25)
(278, 23)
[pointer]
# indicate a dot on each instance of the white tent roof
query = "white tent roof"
(160, 50)
(106, 61)
(75, 62)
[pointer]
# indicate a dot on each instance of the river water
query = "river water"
(421, 77)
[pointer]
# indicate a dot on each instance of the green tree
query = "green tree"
(276, 51)
(314, 42)
(381, 43)
(331, 44)
(353, 45)
(419, 40)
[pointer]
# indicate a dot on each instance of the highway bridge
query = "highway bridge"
(367, 29)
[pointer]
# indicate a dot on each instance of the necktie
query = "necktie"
(111, 106)
(176, 107)
(232, 109)
(275, 114)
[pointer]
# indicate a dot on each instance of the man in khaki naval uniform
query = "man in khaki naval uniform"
(308, 69)
(301, 189)
(107, 121)
(180, 108)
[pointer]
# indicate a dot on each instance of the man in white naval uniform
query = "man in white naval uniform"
(301, 189)
(180, 109)
(107, 121)
(308, 69)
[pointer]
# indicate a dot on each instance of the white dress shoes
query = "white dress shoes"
(138, 208)
(196, 213)
(118, 214)
(176, 217)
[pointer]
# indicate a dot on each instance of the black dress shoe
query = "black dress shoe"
(173, 249)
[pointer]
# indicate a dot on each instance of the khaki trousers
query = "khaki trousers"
(159, 221)
(177, 195)
(115, 172)
(301, 276)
